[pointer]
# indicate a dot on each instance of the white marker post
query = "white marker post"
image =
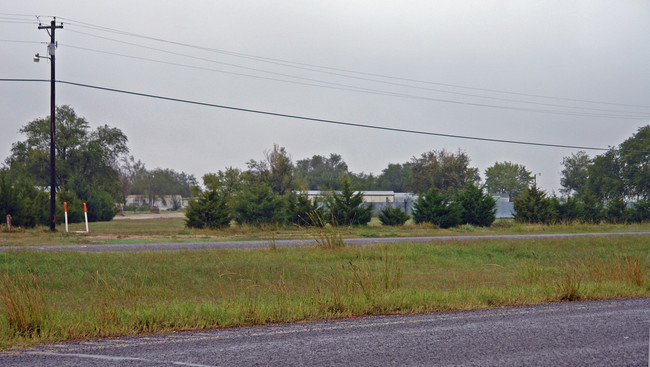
(86, 217)
(65, 214)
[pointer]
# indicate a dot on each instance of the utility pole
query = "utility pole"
(51, 49)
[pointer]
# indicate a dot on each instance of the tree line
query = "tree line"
(94, 166)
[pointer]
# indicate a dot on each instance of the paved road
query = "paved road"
(295, 243)
(603, 333)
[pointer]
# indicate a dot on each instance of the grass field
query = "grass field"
(55, 296)
(174, 230)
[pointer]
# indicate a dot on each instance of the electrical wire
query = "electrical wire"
(631, 114)
(340, 86)
(296, 64)
(320, 120)
(310, 67)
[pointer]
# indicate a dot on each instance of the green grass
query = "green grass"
(174, 230)
(55, 296)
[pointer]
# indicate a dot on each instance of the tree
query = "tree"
(230, 181)
(365, 181)
(606, 177)
(322, 173)
(436, 208)
(210, 210)
(277, 170)
(303, 211)
(532, 206)
(157, 183)
(90, 154)
(507, 178)
(257, 204)
(347, 207)
(445, 171)
(129, 170)
(479, 208)
(393, 216)
(395, 177)
(636, 164)
(575, 173)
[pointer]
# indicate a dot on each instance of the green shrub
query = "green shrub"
(568, 211)
(640, 211)
(393, 216)
(617, 211)
(479, 208)
(301, 209)
(437, 209)
(258, 204)
(592, 209)
(532, 206)
(347, 208)
(211, 210)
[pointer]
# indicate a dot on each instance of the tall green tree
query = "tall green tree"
(575, 173)
(635, 163)
(160, 182)
(396, 177)
(447, 172)
(81, 151)
(276, 170)
(606, 176)
(507, 178)
(322, 173)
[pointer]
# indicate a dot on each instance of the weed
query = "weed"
(326, 236)
(24, 304)
(392, 272)
(272, 245)
(531, 271)
(569, 286)
(633, 270)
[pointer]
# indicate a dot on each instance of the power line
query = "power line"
(346, 87)
(302, 65)
(625, 114)
(326, 121)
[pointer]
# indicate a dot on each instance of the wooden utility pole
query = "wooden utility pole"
(51, 50)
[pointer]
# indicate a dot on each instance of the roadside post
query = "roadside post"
(86, 217)
(9, 222)
(65, 215)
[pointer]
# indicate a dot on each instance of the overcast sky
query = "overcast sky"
(575, 73)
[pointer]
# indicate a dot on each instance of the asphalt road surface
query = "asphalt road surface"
(295, 243)
(602, 333)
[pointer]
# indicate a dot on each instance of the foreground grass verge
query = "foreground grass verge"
(174, 230)
(48, 297)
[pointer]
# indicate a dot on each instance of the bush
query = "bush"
(211, 210)
(640, 211)
(347, 208)
(568, 211)
(592, 209)
(258, 204)
(393, 216)
(437, 209)
(532, 206)
(617, 211)
(99, 203)
(479, 208)
(27, 205)
(302, 210)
